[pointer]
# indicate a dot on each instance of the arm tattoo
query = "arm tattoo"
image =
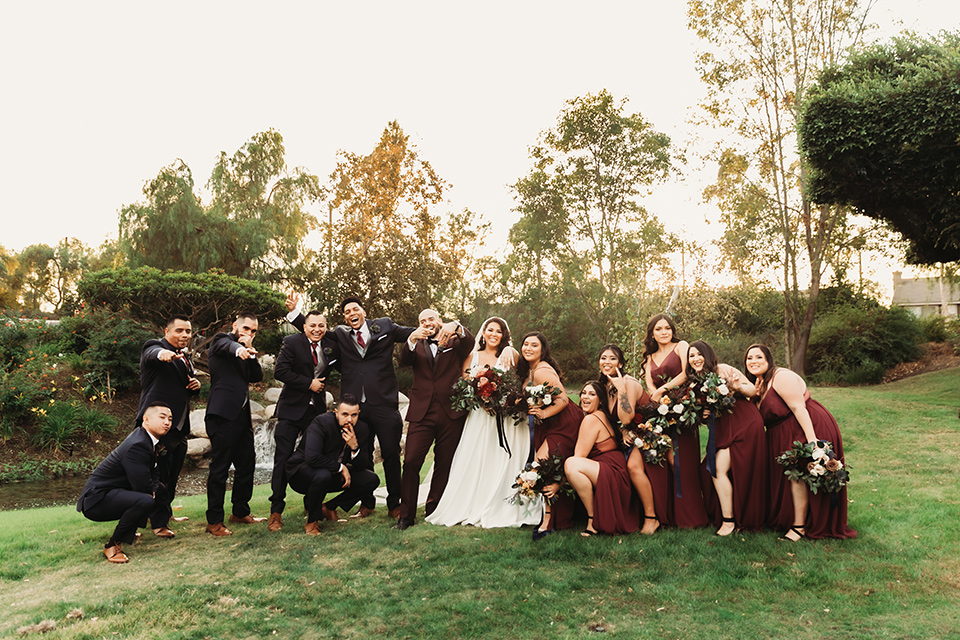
(624, 403)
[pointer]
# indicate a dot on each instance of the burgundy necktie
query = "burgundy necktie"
(313, 348)
(360, 339)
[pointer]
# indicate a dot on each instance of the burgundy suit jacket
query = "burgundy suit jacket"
(433, 381)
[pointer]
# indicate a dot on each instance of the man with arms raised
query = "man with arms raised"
(436, 367)
(233, 366)
(304, 361)
(167, 376)
(332, 456)
(124, 485)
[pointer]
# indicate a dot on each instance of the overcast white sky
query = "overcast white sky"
(98, 96)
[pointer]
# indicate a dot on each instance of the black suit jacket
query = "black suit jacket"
(164, 382)
(370, 376)
(230, 377)
(294, 368)
(130, 466)
(322, 447)
(434, 376)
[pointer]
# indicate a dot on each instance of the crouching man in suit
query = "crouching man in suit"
(125, 485)
(332, 456)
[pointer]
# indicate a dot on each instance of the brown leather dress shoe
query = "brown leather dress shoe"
(276, 522)
(115, 554)
(247, 519)
(163, 532)
(362, 513)
(218, 530)
(311, 529)
(328, 514)
(394, 513)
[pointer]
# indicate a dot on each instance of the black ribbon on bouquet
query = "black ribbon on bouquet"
(531, 421)
(712, 446)
(502, 436)
(675, 438)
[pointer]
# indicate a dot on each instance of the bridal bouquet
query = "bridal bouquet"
(705, 392)
(535, 476)
(816, 464)
(488, 389)
(653, 443)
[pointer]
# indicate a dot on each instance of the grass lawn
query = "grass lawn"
(899, 579)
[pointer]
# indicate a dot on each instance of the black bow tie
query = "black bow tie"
(432, 341)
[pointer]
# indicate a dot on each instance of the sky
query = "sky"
(99, 96)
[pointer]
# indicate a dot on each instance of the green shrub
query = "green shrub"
(56, 426)
(856, 342)
(109, 345)
(22, 392)
(934, 329)
(93, 421)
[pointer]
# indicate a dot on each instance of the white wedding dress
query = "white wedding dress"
(482, 474)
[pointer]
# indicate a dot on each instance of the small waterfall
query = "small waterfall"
(263, 444)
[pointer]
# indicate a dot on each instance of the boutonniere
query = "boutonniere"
(375, 328)
(160, 450)
(327, 351)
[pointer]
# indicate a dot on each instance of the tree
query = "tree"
(9, 284)
(392, 249)
(209, 299)
(34, 275)
(580, 215)
(253, 228)
(880, 133)
(760, 58)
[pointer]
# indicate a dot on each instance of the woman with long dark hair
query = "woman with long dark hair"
(557, 425)
(597, 469)
(490, 455)
(664, 355)
(738, 468)
(790, 414)
(625, 394)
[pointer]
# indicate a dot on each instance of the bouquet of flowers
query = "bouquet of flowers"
(653, 443)
(816, 464)
(666, 414)
(535, 476)
(487, 389)
(540, 395)
(704, 392)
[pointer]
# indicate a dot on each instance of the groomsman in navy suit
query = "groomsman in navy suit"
(167, 376)
(436, 368)
(124, 485)
(233, 366)
(304, 361)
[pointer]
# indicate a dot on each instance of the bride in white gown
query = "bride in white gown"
(482, 471)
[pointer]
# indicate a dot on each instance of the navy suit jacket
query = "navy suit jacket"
(164, 382)
(230, 377)
(322, 447)
(131, 466)
(295, 370)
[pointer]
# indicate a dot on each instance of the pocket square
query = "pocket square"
(381, 337)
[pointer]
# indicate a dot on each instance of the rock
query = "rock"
(198, 425)
(329, 398)
(268, 411)
(198, 447)
(272, 395)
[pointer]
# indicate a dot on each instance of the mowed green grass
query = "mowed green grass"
(899, 579)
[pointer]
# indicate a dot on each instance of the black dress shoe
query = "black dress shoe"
(403, 525)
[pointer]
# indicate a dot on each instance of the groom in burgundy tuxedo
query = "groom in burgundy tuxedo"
(437, 365)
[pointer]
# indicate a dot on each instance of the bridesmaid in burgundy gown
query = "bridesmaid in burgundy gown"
(597, 470)
(664, 358)
(791, 414)
(557, 429)
(736, 497)
(625, 394)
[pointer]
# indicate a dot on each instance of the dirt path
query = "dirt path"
(936, 356)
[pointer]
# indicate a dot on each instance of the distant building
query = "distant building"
(926, 296)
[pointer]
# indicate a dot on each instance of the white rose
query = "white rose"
(663, 409)
(534, 465)
(658, 429)
(638, 442)
(529, 476)
(723, 389)
(547, 400)
(678, 408)
(819, 454)
(531, 401)
(817, 470)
